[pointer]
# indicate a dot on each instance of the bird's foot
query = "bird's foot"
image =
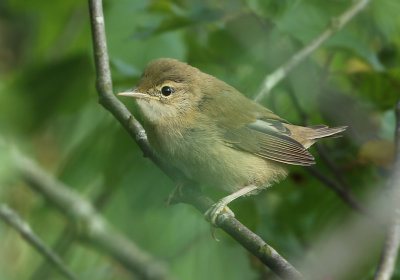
(217, 209)
(213, 213)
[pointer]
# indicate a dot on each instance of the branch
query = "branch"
(249, 240)
(105, 90)
(392, 239)
(14, 220)
(342, 189)
(335, 25)
(92, 227)
(230, 225)
(338, 175)
(62, 244)
(69, 235)
(347, 197)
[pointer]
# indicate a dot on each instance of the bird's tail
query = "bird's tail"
(323, 131)
(309, 135)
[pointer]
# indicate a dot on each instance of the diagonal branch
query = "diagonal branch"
(244, 236)
(392, 240)
(344, 194)
(91, 226)
(249, 240)
(14, 220)
(69, 235)
(105, 90)
(342, 187)
(336, 24)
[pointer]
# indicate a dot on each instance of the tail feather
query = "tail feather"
(323, 131)
(307, 136)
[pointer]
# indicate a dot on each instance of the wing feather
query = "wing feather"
(248, 126)
(269, 143)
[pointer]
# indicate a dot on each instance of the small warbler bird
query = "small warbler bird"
(215, 135)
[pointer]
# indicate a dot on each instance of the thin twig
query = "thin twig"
(14, 220)
(338, 174)
(91, 226)
(392, 240)
(343, 188)
(335, 25)
(343, 193)
(62, 244)
(104, 86)
(68, 236)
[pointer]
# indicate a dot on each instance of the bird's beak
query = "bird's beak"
(135, 94)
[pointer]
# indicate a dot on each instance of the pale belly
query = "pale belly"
(213, 163)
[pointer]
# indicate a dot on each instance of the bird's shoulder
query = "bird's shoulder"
(231, 108)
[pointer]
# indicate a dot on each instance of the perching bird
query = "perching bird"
(215, 135)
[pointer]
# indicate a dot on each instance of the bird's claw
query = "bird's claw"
(215, 210)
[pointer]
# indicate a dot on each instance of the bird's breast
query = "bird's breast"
(204, 157)
(181, 139)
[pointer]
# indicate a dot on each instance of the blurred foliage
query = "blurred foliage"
(49, 109)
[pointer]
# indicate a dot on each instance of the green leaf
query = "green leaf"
(177, 18)
(382, 89)
(385, 14)
(358, 43)
(303, 22)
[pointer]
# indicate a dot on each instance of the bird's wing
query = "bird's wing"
(248, 126)
(268, 139)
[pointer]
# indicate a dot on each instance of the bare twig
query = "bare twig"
(338, 174)
(14, 220)
(244, 236)
(343, 188)
(91, 226)
(392, 240)
(62, 244)
(336, 24)
(69, 235)
(342, 193)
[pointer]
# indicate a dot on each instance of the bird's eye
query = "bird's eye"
(167, 90)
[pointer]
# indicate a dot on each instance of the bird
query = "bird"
(215, 135)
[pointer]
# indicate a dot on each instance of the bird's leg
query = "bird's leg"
(212, 213)
(175, 194)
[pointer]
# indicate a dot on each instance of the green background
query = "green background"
(49, 110)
